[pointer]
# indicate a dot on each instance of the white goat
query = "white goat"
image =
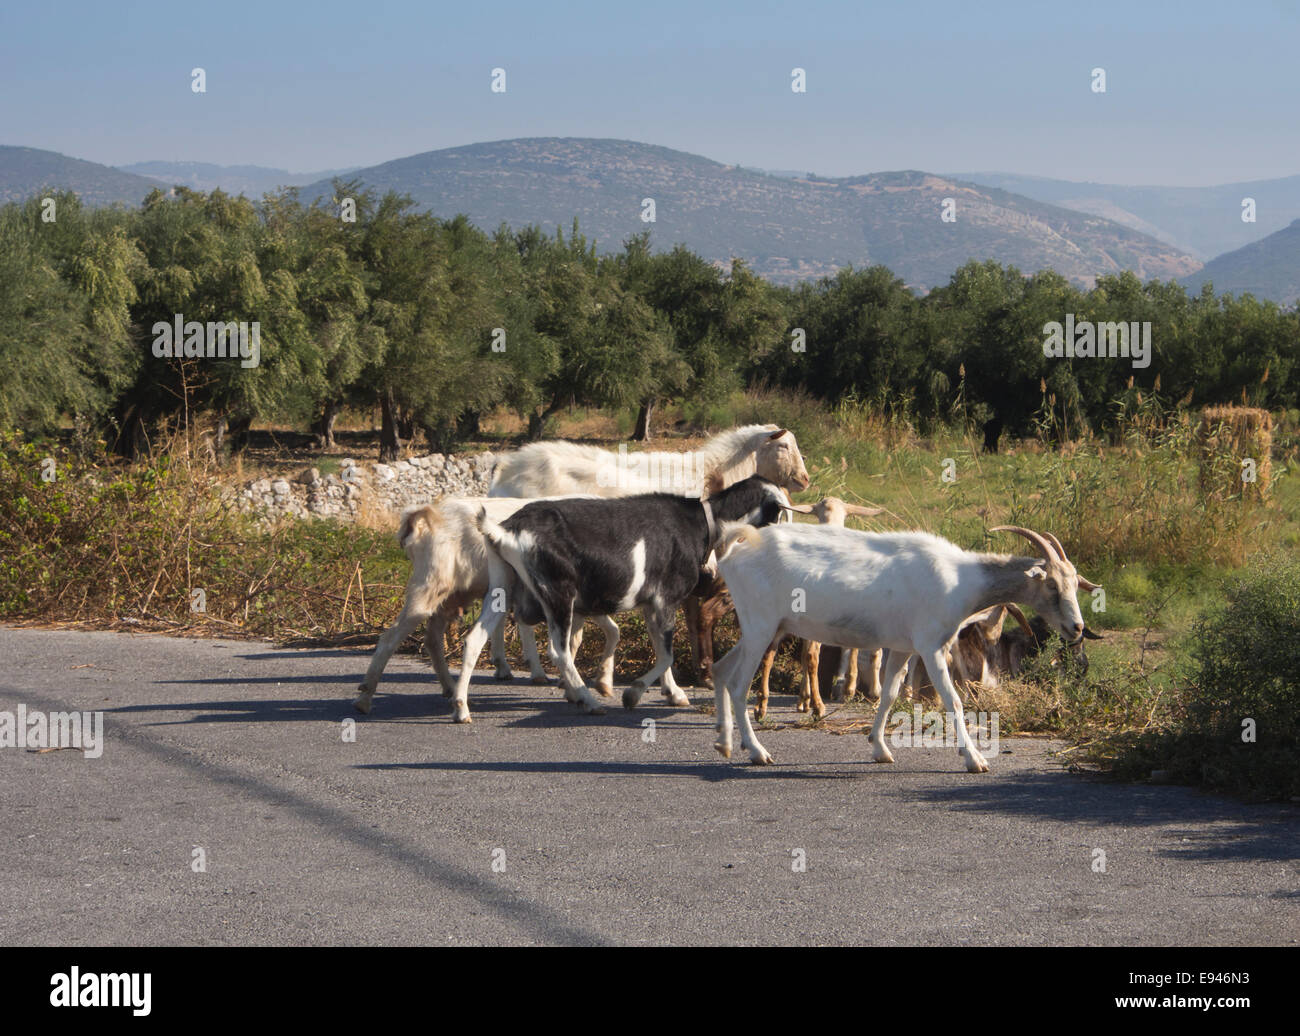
(558, 468)
(830, 510)
(908, 592)
(449, 570)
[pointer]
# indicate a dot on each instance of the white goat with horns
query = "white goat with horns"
(908, 592)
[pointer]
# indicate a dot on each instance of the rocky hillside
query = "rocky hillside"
(787, 227)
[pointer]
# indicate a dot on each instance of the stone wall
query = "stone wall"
(367, 485)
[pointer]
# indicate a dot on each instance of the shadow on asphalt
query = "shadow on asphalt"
(1242, 831)
(709, 772)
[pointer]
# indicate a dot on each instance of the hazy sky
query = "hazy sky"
(1197, 92)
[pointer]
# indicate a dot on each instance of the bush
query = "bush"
(109, 544)
(1239, 728)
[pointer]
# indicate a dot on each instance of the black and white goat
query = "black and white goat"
(560, 561)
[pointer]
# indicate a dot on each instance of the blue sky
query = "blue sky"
(1197, 93)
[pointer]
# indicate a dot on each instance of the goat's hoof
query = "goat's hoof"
(632, 696)
(678, 698)
(605, 690)
(593, 708)
(760, 757)
(505, 677)
(541, 681)
(724, 750)
(801, 707)
(458, 718)
(448, 692)
(362, 704)
(977, 764)
(706, 682)
(882, 755)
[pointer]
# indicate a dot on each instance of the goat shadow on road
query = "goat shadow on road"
(709, 772)
(1203, 826)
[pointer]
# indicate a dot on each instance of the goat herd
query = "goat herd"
(572, 532)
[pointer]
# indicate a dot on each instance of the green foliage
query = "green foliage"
(106, 543)
(1239, 727)
(440, 323)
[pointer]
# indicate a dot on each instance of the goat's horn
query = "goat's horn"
(863, 512)
(801, 508)
(1049, 552)
(778, 433)
(1057, 544)
(1091, 635)
(1087, 584)
(1021, 621)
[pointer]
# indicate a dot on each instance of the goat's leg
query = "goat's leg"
(814, 703)
(560, 627)
(672, 691)
(528, 641)
(937, 664)
(873, 684)
(739, 676)
(845, 684)
(659, 626)
(760, 708)
(497, 641)
(488, 620)
(722, 700)
(691, 612)
(407, 623)
(605, 683)
(435, 645)
(811, 659)
(710, 612)
(895, 670)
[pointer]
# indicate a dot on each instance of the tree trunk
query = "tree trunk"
(324, 425)
(537, 422)
(390, 443)
(643, 418)
(467, 425)
(405, 426)
(239, 432)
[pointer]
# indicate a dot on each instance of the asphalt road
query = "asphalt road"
(597, 834)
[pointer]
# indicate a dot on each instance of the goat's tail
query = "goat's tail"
(502, 542)
(417, 524)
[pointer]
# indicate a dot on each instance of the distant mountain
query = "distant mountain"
(1204, 221)
(250, 180)
(787, 227)
(1268, 269)
(25, 171)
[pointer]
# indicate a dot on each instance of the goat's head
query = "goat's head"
(831, 510)
(1054, 584)
(778, 460)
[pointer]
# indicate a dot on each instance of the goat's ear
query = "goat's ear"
(1087, 584)
(1037, 572)
(863, 512)
(778, 433)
